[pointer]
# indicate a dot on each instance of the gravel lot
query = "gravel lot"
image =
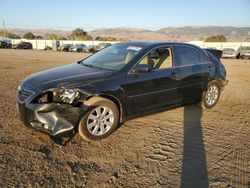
(184, 147)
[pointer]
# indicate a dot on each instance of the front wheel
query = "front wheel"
(100, 121)
(211, 95)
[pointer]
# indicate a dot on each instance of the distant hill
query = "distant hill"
(41, 32)
(129, 33)
(186, 33)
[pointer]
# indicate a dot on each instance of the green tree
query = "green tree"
(98, 38)
(109, 39)
(29, 35)
(9, 34)
(61, 38)
(80, 34)
(216, 38)
(52, 36)
(38, 37)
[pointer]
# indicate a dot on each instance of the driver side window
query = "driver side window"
(159, 58)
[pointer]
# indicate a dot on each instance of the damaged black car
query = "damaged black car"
(123, 81)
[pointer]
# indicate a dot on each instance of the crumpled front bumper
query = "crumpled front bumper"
(55, 119)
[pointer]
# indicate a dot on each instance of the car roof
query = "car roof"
(145, 44)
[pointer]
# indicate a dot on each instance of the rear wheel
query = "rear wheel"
(211, 95)
(100, 121)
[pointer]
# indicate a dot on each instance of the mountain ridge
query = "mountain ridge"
(183, 33)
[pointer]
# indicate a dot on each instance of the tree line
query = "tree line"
(80, 34)
(76, 34)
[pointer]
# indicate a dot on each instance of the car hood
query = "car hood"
(245, 51)
(71, 75)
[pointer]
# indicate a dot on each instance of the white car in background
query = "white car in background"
(228, 53)
(243, 52)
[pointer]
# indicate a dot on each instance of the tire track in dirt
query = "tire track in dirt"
(237, 146)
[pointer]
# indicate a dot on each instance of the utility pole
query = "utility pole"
(3, 29)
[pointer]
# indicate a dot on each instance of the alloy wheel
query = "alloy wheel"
(100, 120)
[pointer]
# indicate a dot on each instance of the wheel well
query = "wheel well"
(117, 103)
(219, 81)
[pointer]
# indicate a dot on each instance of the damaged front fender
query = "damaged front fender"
(53, 118)
(60, 120)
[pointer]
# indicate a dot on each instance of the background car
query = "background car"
(102, 46)
(22, 45)
(78, 48)
(228, 53)
(90, 49)
(243, 52)
(4, 44)
(64, 47)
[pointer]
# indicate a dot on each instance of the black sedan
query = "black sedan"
(22, 45)
(120, 82)
(4, 44)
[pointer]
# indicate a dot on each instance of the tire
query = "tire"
(211, 95)
(243, 57)
(96, 124)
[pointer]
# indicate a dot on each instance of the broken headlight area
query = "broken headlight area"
(66, 95)
(62, 95)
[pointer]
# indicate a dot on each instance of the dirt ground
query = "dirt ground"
(184, 147)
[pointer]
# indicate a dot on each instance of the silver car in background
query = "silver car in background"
(243, 52)
(78, 48)
(101, 46)
(228, 53)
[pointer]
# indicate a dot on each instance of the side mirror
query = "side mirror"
(141, 68)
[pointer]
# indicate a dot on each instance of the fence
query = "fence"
(41, 44)
(220, 45)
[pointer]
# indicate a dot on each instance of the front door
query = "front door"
(147, 91)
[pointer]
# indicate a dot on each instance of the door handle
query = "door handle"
(173, 75)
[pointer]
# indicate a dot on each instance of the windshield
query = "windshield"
(228, 50)
(244, 48)
(114, 57)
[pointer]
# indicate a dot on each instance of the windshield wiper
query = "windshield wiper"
(92, 66)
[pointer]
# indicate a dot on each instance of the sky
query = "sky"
(145, 14)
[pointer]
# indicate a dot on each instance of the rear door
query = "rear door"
(193, 68)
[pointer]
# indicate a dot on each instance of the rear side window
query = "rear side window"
(188, 56)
